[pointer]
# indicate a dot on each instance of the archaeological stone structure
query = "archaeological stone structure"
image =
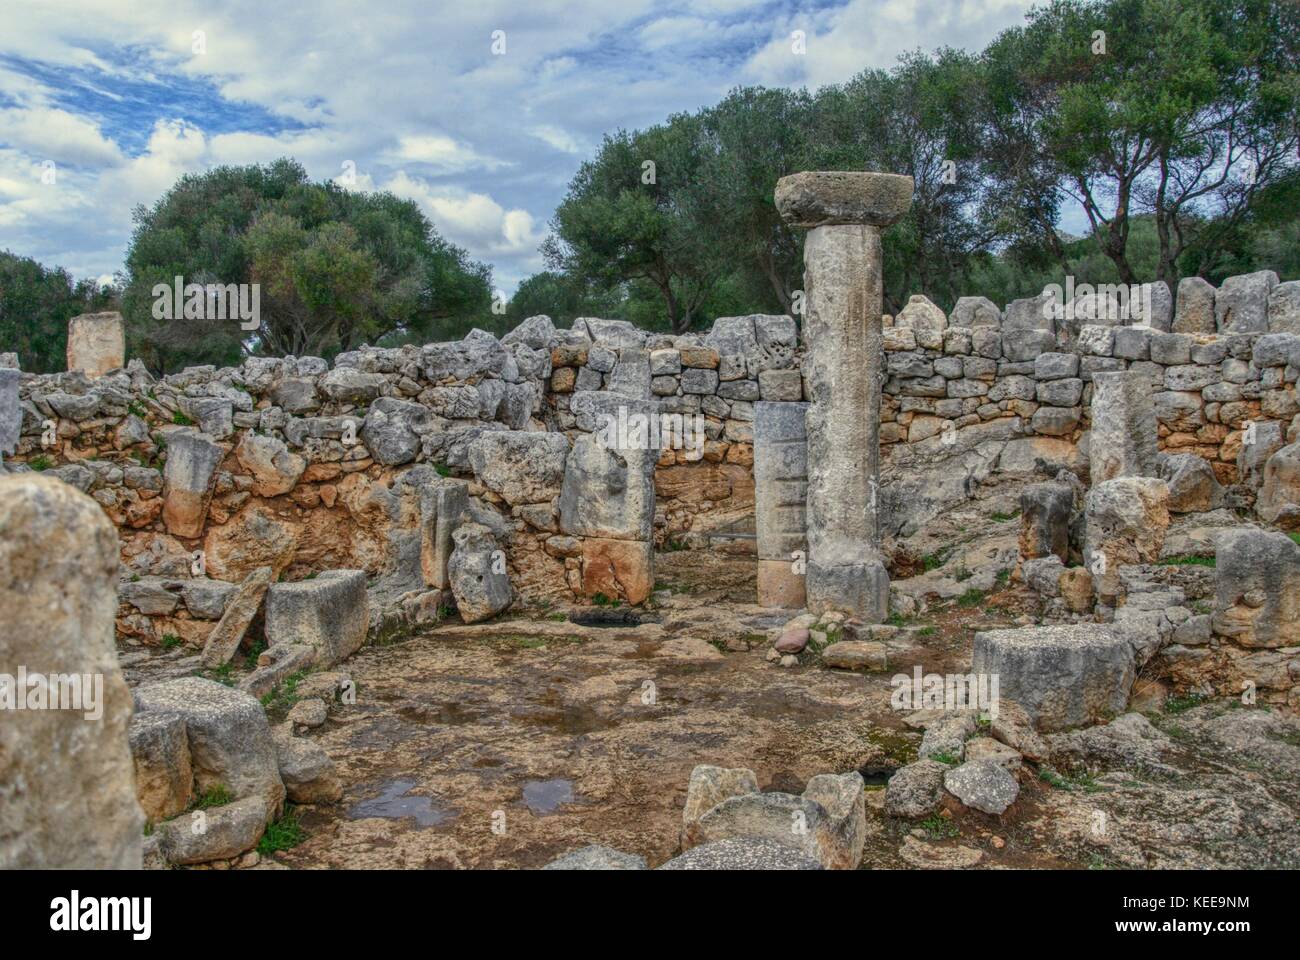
(213, 538)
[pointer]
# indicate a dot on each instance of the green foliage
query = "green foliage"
(181, 420)
(1175, 704)
(971, 598)
(40, 463)
(1188, 560)
(36, 304)
(170, 641)
(284, 694)
(336, 268)
(939, 828)
(282, 834)
(215, 796)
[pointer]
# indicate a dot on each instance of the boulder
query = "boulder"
(67, 780)
(914, 791)
(393, 429)
(1257, 588)
(229, 739)
(1279, 496)
(329, 612)
(1061, 676)
(308, 773)
(477, 574)
(983, 785)
(520, 466)
(217, 833)
(1193, 487)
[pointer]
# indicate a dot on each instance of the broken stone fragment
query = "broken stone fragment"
(856, 655)
(477, 572)
(160, 751)
(309, 775)
(216, 833)
(743, 853)
(597, 857)
(914, 790)
(984, 785)
(188, 481)
(229, 632)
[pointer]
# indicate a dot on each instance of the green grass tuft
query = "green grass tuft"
(284, 834)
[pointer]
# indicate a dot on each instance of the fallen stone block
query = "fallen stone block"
(309, 775)
(217, 833)
(330, 612)
(1257, 588)
(1062, 676)
(275, 664)
(856, 655)
(229, 632)
(229, 738)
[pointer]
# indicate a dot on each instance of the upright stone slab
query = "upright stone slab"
(67, 780)
(96, 343)
(11, 414)
(780, 502)
(1124, 430)
(442, 508)
(1195, 307)
(188, 481)
(330, 612)
(844, 213)
(1241, 303)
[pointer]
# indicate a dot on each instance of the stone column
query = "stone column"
(96, 343)
(844, 213)
(780, 499)
(67, 780)
(11, 414)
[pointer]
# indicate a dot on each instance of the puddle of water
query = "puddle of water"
(606, 617)
(393, 804)
(547, 796)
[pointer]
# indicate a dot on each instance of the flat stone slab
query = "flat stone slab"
(597, 857)
(822, 198)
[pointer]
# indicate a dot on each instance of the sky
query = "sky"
(480, 111)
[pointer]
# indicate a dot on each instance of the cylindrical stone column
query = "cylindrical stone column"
(844, 213)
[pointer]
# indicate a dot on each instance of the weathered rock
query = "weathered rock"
(229, 738)
(1045, 511)
(393, 429)
(189, 477)
(914, 790)
(988, 748)
(229, 632)
(1279, 496)
(1062, 676)
(160, 752)
(817, 199)
(1195, 308)
(840, 795)
(207, 599)
(1123, 438)
(1193, 487)
(784, 818)
(217, 833)
(443, 507)
(975, 312)
(856, 655)
(709, 786)
(984, 785)
(607, 493)
(743, 853)
(276, 664)
(67, 790)
(349, 385)
(618, 569)
(1260, 442)
(1241, 303)
(1257, 588)
(520, 466)
(1126, 522)
(275, 470)
(477, 574)
(96, 343)
(946, 735)
(329, 612)
(597, 857)
(254, 538)
(537, 333)
(1284, 308)
(11, 412)
(310, 713)
(1014, 727)
(308, 773)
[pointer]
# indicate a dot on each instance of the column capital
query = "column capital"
(822, 198)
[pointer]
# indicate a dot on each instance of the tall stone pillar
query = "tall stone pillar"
(780, 499)
(844, 213)
(96, 343)
(11, 414)
(1124, 437)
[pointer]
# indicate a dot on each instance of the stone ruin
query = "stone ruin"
(294, 510)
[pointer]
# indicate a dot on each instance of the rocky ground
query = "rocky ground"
(511, 743)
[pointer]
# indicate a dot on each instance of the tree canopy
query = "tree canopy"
(36, 304)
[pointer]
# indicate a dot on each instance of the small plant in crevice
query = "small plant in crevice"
(282, 834)
(939, 828)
